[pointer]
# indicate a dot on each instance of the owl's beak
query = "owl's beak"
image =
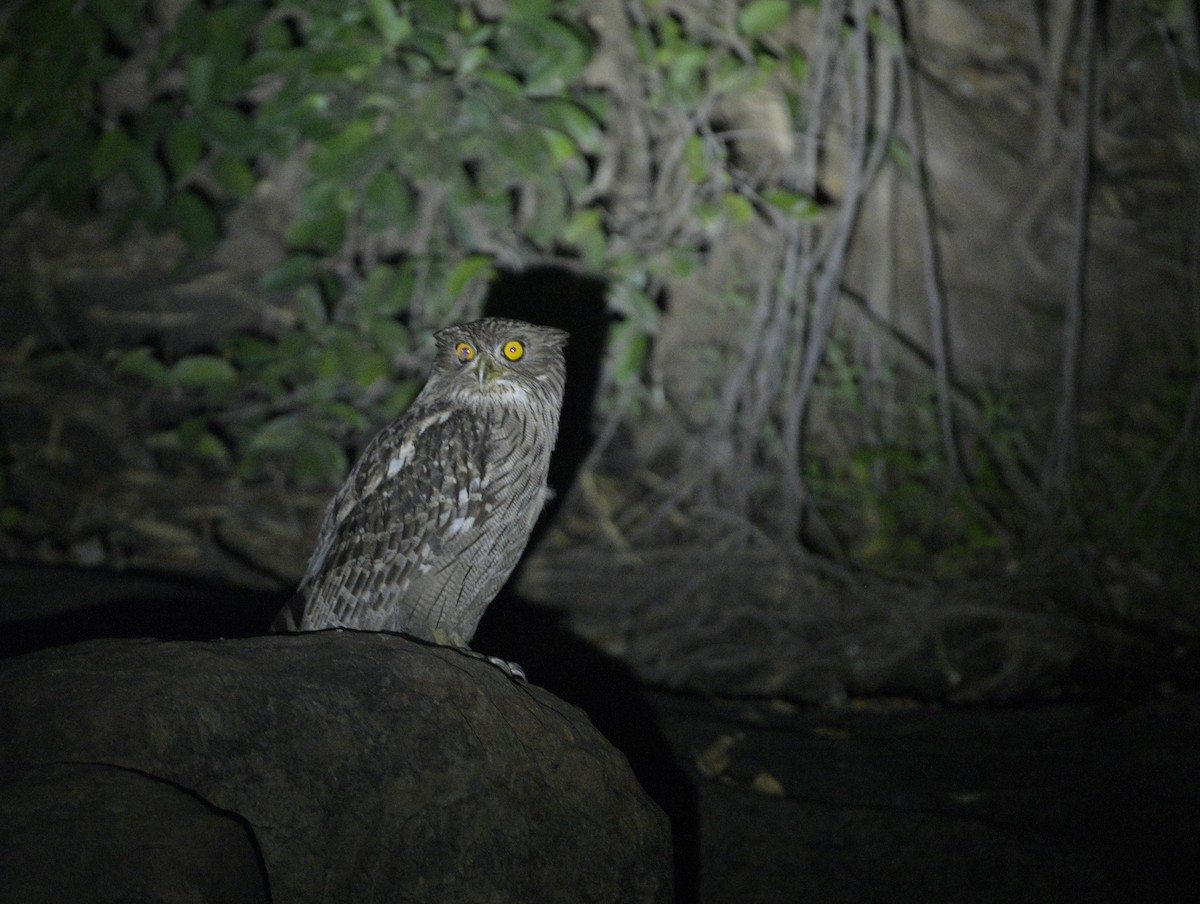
(486, 371)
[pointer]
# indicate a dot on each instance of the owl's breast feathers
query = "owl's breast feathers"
(429, 523)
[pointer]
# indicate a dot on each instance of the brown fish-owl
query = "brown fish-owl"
(435, 514)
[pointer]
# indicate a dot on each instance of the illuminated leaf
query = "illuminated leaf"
(477, 266)
(141, 362)
(206, 373)
(762, 16)
(393, 26)
(794, 204)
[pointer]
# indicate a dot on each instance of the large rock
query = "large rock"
(370, 769)
(93, 834)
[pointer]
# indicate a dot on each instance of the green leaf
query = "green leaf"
(685, 75)
(501, 81)
(562, 148)
(585, 231)
(477, 266)
(194, 437)
(695, 158)
(368, 366)
(643, 42)
(310, 309)
(121, 17)
(549, 214)
(208, 373)
(148, 176)
(628, 299)
(350, 416)
(318, 460)
(797, 65)
(384, 293)
(229, 129)
(737, 208)
(575, 121)
(321, 225)
(251, 351)
(192, 28)
(320, 232)
(279, 435)
(209, 446)
(762, 16)
(387, 203)
(735, 76)
(548, 54)
(391, 335)
(794, 204)
(194, 218)
(391, 25)
(111, 152)
(292, 271)
(631, 346)
(198, 80)
(396, 402)
(434, 14)
(141, 362)
(472, 59)
(183, 147)
(276, 36)
(535, 10)
(339, 155)
(234, 175)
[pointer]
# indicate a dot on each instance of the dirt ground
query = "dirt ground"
(1058, 803)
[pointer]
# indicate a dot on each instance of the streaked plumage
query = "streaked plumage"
(434, 516)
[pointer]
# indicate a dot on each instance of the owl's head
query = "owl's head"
(503, 361)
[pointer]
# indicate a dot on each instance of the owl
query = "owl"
(435, 514)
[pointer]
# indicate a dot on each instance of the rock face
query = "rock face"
(88, 833)
(368, 768)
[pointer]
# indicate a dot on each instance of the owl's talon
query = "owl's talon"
(511, 669)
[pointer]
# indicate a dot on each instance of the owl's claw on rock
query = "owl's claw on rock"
(511, 669)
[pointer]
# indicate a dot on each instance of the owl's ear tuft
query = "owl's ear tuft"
(557, 336)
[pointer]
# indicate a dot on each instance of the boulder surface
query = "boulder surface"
(367, 767)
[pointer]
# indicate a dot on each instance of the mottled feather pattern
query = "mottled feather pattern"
(435, 514)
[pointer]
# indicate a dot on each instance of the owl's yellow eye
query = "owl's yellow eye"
(514, 350)
(464, 352)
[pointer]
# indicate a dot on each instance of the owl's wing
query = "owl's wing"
(406, 506)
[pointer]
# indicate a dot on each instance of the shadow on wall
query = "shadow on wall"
(49, 606)
(559, 298)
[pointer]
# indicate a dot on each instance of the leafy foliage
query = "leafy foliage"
(439, 144)
(442, 144)
(423, 127)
